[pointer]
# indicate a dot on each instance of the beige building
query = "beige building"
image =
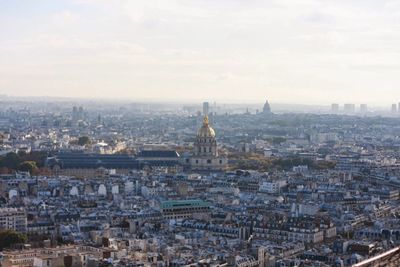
(13, 219)
(183, 209)
(71, 256)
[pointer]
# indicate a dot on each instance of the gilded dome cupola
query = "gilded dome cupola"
(206, 131)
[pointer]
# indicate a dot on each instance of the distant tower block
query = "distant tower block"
(267, 108)
(363, 108)
(349, 108)
(335, 107)
(206, 108)
(75, 113)
(394, 108)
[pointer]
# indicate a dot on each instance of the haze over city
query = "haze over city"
(302, 51)
(199, 133)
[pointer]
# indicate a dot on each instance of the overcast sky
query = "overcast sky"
(289, 51)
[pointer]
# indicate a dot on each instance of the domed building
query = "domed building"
(267, 108)
(205, 153)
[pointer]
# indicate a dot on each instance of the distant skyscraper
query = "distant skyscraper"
(335, 107)
(74, 113)
(206, 108)
(267, 108)
(394, 108)
(363, 108)
(77, 113)
(349, 108)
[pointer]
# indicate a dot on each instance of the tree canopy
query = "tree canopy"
(11, 160)
(10, 237)
(83, 140)
(254, 161)
(22, 161)
(28, 166)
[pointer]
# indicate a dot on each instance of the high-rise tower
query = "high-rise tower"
(206, 108)
(349, 108)
(335, 107)
(363, 108)
(394, 108)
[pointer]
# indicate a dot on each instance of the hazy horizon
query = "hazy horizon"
(289, 52)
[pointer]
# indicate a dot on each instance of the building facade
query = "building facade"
(13, 219)
(183, 209)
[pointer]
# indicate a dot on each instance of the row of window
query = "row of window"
(205, 140)
(209, 161)
(186, 209)
(205, 149)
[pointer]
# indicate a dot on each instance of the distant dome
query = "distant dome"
(267, 107)
(206, 130)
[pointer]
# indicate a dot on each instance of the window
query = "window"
(209, 161)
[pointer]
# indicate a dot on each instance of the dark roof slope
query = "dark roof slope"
(158, 154)
(94, 161)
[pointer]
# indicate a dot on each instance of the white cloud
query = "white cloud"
(64, 16)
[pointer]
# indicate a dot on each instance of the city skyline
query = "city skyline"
(230, 51)
(173, 133)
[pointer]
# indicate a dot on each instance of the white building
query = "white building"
(272, 187)
(13, 219)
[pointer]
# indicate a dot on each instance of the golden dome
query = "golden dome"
(206, 130)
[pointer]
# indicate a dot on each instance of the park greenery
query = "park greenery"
(32, 162)
(10, 237)
(83, 140)
(254, 161)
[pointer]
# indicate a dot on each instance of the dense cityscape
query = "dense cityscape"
(199, 133)
(86, 183)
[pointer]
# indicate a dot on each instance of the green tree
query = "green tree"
(83, 140)
(37, 156)
(10, 237)
(28, 166)
(11, 160)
